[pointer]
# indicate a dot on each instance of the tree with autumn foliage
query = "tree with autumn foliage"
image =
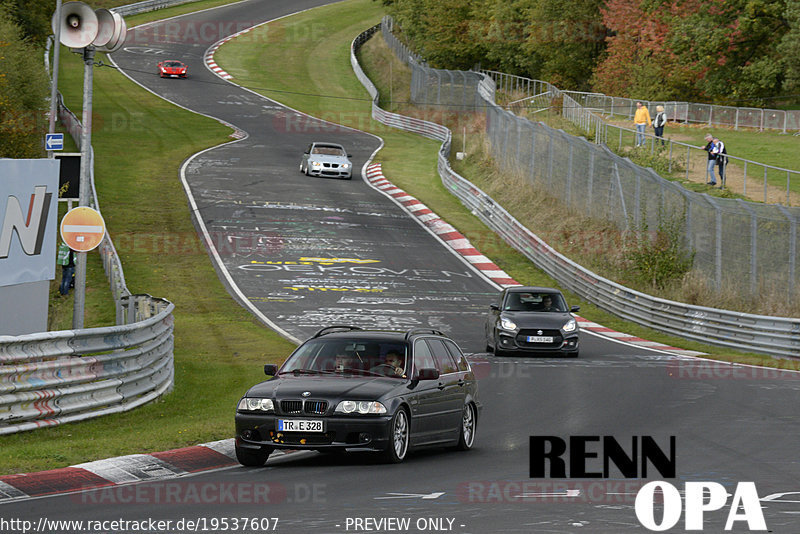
(23, 93)
(721, 51)
(558, 41)
(743, 52)
(439, 30)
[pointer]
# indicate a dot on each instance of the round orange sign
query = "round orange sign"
(82, 229)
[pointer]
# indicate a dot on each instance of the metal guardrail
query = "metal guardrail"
(148, 5)
(51, 378)
(764, 334)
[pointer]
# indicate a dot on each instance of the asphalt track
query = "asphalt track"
(730, 424)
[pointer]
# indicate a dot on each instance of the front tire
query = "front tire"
(469, 424)
(496, 349)
(398, 438)
(252, 458)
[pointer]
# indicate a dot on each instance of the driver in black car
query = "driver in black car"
(392, 366)
(547, 304)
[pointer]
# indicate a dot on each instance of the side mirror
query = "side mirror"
(427, 374)
(270, 369)
(573, 309)
(494, 307)
(349, 155)
(306, 153)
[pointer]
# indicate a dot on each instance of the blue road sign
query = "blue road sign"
(54, 141)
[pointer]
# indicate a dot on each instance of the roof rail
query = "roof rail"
(327, 329)
(413, 331)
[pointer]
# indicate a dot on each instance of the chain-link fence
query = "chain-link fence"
(690, 112)
(582, 109)
(737, 244)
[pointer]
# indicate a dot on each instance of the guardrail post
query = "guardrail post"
(590, 185)
(533, 153)
(550, 160)
(669, 170)
(718, 245)
(744, 185)
(688, 153)
(568, 192)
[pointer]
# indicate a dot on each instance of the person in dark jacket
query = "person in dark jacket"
(66, 258)
(712, 161)
(659, 122)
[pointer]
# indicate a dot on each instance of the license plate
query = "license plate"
(300, 425)
(540, 339)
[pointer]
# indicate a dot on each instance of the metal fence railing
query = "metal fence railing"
(743, 176)
(694, 113)
(579, 172)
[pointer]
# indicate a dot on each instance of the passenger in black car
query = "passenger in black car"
(344, 361)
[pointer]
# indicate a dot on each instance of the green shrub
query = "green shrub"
(658, 257)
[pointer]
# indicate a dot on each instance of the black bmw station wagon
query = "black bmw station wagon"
(349, 389)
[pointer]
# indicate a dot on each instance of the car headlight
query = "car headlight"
(316, 164)
(255, 404)
(570, 326)
(507, 324)
(362, 407)
(345, 165)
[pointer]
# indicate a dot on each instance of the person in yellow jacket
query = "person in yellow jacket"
(641, 119)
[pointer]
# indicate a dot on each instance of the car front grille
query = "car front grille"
(331, 165)
(304, 406)
(315, 407)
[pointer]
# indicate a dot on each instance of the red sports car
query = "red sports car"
(172, 69)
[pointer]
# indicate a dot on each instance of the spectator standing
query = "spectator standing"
(711, 178)
(659, 122)
(66, 258)
(720, 152)
(641, 119)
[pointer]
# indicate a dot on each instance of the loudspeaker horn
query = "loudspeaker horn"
(120, 31)
(105, 27)
(78, 25)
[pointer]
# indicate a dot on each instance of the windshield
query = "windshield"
(328, 150)
(348, 357)
(536, 302)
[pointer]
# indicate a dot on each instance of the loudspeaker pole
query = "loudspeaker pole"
(86, 147)
(54, 85)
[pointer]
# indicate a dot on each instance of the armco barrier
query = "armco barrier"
(756, 333)
(59, 377)
(148, 5)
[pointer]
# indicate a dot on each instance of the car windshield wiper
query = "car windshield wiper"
(301, 372)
